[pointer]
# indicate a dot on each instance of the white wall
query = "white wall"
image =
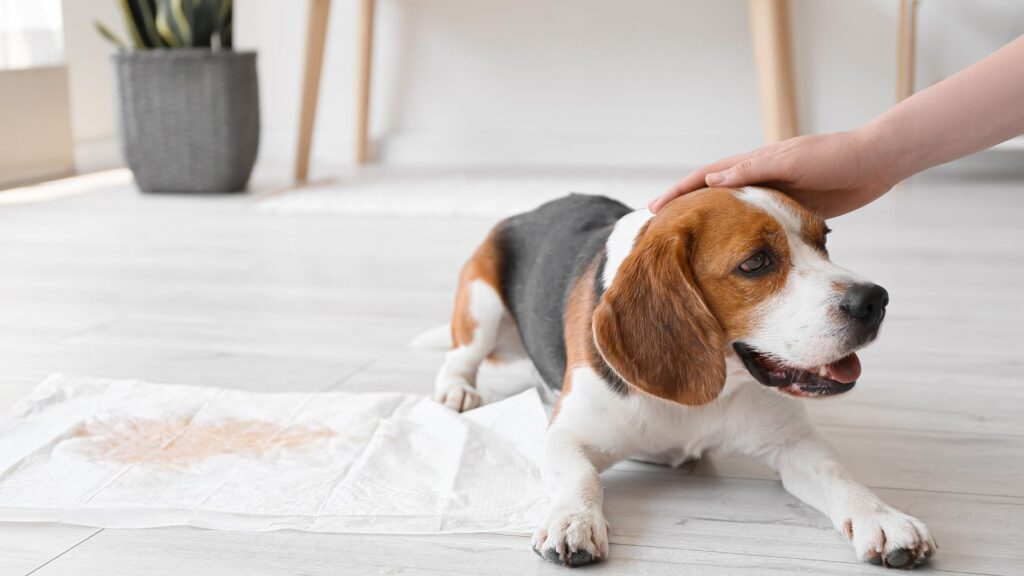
(564, 81)
(845, 52)
(91, 82)
(497, 81)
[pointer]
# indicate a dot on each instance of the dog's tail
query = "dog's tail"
(437, 338)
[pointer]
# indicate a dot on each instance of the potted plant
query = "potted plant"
(188, 103)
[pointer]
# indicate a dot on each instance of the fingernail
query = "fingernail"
(714, 178)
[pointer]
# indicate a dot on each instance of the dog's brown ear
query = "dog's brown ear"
(654, 329)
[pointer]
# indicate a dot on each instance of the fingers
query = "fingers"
(751, 170)
(698, 179)
(693, 181)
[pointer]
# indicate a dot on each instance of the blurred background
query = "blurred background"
(575, 82)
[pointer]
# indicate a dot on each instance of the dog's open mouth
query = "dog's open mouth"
(828, 380)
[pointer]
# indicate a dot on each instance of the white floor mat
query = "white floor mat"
(455, 195)
(132, 454)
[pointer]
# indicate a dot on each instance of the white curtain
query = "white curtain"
(30, 33)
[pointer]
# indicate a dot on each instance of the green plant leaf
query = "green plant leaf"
(133, 23)
(139, 19)
(182, 11)
(163, 28)
(224, 23)
(168, 25)
(147, 10)
(178, 23)
(106, 33)
(204, 18)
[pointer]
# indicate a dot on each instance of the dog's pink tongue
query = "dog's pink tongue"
(845, 370)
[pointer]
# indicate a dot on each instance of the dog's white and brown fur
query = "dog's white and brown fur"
(672, 335)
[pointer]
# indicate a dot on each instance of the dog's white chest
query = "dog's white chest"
(669, 433)
(647, 427)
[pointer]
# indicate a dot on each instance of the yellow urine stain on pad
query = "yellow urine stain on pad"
(177, 442)
(127, 453)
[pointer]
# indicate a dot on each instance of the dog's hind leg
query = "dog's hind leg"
(481, 327)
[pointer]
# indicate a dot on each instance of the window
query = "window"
(30, 33)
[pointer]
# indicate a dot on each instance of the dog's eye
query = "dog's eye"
(757, 262)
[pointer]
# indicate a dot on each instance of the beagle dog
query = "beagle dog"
(670, 335)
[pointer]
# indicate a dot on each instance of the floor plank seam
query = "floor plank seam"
(940, 433)
(872, 486)
(356, 371)
(79, 543)
(748, 555)
(92, 328)
(890, 488)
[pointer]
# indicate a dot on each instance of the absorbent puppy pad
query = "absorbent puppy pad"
(132, 454)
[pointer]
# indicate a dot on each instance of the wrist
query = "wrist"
(881, 161)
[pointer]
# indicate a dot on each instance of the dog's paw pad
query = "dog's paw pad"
(580, 558)
(898, 558)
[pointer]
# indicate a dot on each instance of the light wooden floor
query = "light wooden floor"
(207, 291)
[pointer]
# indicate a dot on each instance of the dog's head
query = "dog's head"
(744, 270)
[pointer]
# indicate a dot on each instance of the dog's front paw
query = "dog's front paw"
(573, 536)
(884, 535)
(458, 395)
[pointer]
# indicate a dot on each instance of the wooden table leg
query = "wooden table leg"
(316, 37)
(364, 63)
(769, 26)
(905, 50)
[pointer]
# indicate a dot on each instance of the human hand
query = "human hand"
(832, 173)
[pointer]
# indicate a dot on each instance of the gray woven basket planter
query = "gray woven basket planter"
(189, 118)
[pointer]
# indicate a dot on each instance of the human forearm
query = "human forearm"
(835, 173)
(974, 109)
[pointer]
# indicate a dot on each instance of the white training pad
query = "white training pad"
(131, 454)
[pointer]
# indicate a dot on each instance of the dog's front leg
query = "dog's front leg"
(575, 531)
(880, 534)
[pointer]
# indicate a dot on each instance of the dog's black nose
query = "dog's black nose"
(865, 303)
